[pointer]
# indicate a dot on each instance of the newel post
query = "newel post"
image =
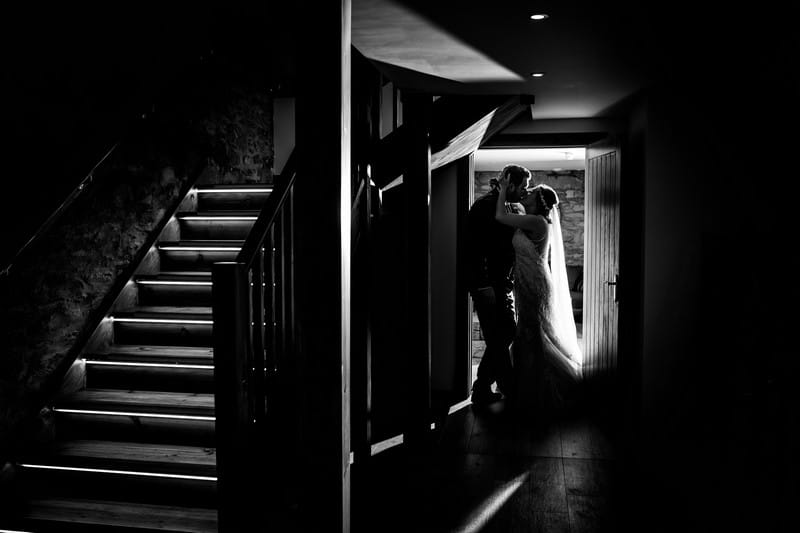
(231, 308)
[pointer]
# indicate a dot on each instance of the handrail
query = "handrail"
(268, 214)
(81, 188)
(253, 310)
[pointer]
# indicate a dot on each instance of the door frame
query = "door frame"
(568, 133)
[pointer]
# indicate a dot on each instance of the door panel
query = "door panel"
(601, 313)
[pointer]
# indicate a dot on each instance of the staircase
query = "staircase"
(136, 446)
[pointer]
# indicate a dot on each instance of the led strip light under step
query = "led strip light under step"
(161, 320)
(134, 414)
(118, 472)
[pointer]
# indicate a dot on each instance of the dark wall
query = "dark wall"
(75, 78)
(716, 376)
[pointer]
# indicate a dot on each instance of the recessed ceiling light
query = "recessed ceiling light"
(539, 16)
(537, 74)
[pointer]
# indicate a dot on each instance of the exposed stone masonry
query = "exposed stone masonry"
(569, 185)
(52, 296)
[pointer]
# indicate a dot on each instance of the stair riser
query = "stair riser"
(175, 295)
(116, 487)
(231, 201)
(136, 429)
(149, 378)
(163, 334)
(215, 230)
(186, 260)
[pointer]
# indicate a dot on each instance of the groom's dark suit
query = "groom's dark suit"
(490, 269)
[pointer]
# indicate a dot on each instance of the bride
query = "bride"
(546, 355)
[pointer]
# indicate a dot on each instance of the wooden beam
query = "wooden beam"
(417, 183)
(322, 268)
(544, 140)
(451, 139)
(453, 114)
(459, 126)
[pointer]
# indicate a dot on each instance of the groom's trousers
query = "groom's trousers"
(498, 325)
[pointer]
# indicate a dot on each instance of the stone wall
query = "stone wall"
(241, 135)
(569, 185)
(54, 295)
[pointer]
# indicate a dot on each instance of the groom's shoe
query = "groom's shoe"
(484, 396)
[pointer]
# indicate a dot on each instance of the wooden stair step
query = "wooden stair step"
(188, 244)
(245, 187)
(164, 325)
(219, 213)
(140, 402)
(62, 513)
(170, 289)
(133, 428)
(187, 255)
(132, 456)
(164, 368)
(166, 311)
(183, 277)
(216, 225)
(179, 355)
(230, 197)
(200, 273)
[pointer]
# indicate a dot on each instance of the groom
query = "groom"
(490, 257)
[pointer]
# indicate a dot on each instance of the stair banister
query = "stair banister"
(253, 323)
(56, 215)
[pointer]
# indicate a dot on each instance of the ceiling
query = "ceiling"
(549, 159)
(594, 54)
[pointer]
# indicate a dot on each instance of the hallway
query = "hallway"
(489, 474)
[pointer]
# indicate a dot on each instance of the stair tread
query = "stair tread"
(155, 354)
(202, 270)
(241, 187)
(154, 311)
(176, 276)
(125, 514)
(220, 213)
(141, 401)
(161, 457)
(202, 242)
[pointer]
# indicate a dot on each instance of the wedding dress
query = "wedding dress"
(546, 354)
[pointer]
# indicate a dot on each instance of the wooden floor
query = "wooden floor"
(491, 472)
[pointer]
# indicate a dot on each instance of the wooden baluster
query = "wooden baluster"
(257, 396)
(269, 312)
(278, 279)
(288, 259)
(280, 266)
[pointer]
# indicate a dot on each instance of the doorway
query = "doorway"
(563, 169)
